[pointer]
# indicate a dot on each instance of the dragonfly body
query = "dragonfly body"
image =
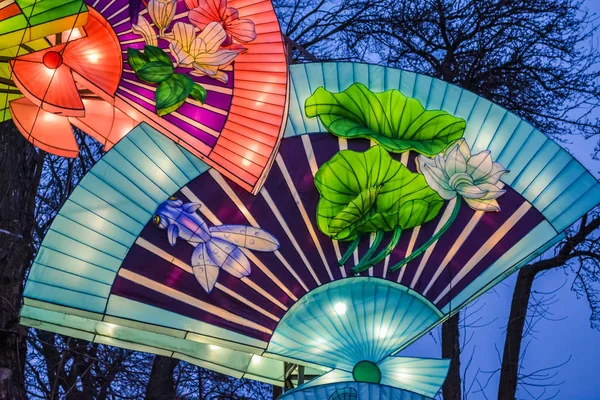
(216, 247)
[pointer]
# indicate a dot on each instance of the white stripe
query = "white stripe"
(409, 249)
(288, 232)
(177, 295)
(445, 217)
(215, 221)
(110, 3)
(486, 248)
(371, 239)
(119, 11)
(187, 268)
(125, 32)
(124, 20)
(300, 205)
(236, 200)
(343, 143)
(312, 162)
(455, 247)
(404, 158)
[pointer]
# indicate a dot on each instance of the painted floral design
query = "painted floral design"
(162, 13)
(203, 12)
(202, 52)
(206, 47)
(473, 177)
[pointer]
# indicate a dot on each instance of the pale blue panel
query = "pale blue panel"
(97, 187)
(100, 215)
(475, 119)
(422, 89)
(299, 85)
(66, 280)
(156, 157)
(465, 105)
(188, 164)
(54, 259)
(437, 96)
(488, 129)
(565, 201)
(538, 237)
(377, 78)
(571, 173)
(363, 391)
(589, 200)
(345, 76)
(510, 122)
(361, 74)
(452, 97)
(392, 78)
(536, 162)
(554, 167)
(330, 76)
(379, 317)
(94, 230)
(315, 72)
(89, 237)
(58, 295)
(419, 375)
(124, 308)
(510, 146)
(407, 83)
(61, 243)
(522, 157)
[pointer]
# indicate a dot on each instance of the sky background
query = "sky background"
(567, 338)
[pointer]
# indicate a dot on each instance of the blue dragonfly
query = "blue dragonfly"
(216, 247)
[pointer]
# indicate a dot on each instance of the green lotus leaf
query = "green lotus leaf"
(155, 72)
(396, 122)
(154, 53)
(370, 191)
(198, 93)
(171, 94)
(136, 59)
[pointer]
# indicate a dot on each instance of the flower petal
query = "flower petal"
(190, 4)
(483, 205)
(480, 165)
(242, 30)
(493, 191)
(145, 29)
(207, 11)
(181, 40)
(217, 59)
(213, 35)
(494, 176)
(470, 191)
(436, 180)
(230, 14)
(162, 12)
(455, 162)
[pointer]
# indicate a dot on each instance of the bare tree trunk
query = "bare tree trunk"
(161, 385)
(20, 171)
(451, 350)
(509, 373)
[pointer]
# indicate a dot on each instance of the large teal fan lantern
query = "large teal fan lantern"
(395, 200)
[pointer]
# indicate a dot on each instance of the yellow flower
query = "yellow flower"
(162, 13)
(201, 52)
(146, 30)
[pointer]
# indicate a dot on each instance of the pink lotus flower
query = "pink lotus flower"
(203, 12)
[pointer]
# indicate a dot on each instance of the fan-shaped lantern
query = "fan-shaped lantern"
(210, 75)
(394, 200)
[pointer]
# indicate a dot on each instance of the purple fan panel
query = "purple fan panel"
(286, 208)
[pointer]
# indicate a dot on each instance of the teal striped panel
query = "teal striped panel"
(543, 172)
(91, 235)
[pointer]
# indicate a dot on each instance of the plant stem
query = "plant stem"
(432, 239)
(374, 246)
(349, 252)
(366, 264)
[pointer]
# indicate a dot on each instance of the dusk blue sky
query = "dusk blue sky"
(568, 337)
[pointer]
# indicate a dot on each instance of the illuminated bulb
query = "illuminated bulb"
(245, 162)
(213, 347)
(255, 360)
(93, 57)
(340, 308)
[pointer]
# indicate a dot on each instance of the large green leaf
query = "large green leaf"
(136, 59)
(370, 191)
(155, 72)
(397, 122)
(171, 94)
(157, 54)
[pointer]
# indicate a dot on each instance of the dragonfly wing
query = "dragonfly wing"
(204, 268)
(229, 257)
(246, 236)
(191, 207)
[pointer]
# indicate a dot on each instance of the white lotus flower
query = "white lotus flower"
(162, 13)
(456, 172)
(145, 29)
(202, 52)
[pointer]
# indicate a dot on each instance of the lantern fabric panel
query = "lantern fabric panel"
(352, 391)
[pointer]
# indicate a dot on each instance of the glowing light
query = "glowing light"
(340, 308)
(255, 360)
(93, 58)
(213, 347)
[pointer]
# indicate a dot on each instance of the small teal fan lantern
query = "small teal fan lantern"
(395, 199)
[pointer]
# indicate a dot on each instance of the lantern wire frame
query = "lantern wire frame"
(69, 287)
